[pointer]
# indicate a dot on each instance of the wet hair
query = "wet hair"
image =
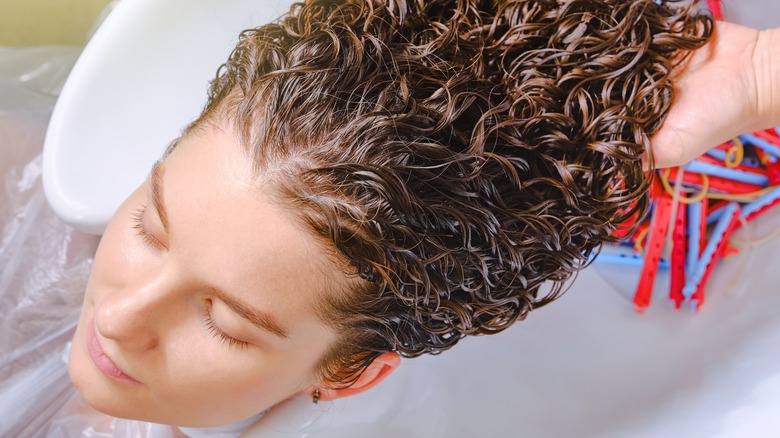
(466, 158)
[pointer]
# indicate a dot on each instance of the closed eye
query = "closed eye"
(138, 224)
(217, 332)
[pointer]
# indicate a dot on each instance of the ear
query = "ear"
(380, 368)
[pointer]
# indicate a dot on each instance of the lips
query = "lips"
(102, 361)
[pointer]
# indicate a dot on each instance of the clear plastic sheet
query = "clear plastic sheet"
(44, 263)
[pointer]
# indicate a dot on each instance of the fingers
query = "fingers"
(766, 67)
(716, 97)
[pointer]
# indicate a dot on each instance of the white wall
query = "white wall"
(47, 22)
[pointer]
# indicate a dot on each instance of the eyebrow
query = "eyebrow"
(262, 320)
(157, 194)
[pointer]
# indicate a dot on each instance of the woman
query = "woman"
(371, 180)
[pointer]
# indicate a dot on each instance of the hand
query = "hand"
(718, 96)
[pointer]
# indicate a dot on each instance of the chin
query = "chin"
(101, 395)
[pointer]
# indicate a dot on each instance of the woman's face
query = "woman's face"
(200, 309)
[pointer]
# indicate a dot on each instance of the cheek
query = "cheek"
(245, 392)
(213, 374)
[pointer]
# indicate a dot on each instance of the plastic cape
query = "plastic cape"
(44, 266)
(44, 263)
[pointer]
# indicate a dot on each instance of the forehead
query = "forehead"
(227, 226)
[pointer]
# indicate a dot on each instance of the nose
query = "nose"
(137, 315)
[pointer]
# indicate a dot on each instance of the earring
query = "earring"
(316, 396)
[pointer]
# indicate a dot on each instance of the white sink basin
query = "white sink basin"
(585, 366)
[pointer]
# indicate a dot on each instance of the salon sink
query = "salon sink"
(587, 365)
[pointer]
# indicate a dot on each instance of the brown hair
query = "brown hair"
(459, 154)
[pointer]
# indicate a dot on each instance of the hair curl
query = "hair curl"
(459, 154)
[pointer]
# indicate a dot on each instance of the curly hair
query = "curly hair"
(459, 154)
